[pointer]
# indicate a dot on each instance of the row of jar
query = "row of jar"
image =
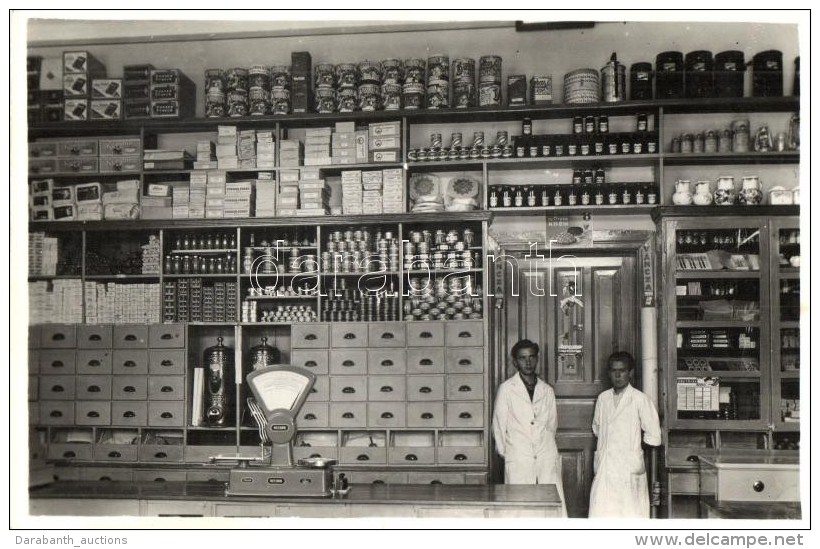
(723, 192)
(613, 194)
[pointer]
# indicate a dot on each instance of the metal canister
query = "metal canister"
(582, 86)
(323, 75)
(489, 69)
(413, 95)
(280, 76)
(391, 96)
(767, 74)
(613, 80)
(346, 75)
(348, 101)
(438, 68)
(463, 94)
(669, 75)
(280, 100)
(214, 81)
(414, 71)
(392, 71)
(237, 79)
(729, 70)
(489, 95)
(325, 99)
(370, 72)
(369, 97)
(219, 377)
(263, 355)
(640, 81)
(699, 75)
(259, 77)
(259, 100)
(214, 104)
(438, 94)
(741, 136)
(237, 102)
(464, 70)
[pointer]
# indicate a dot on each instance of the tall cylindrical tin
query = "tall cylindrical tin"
(669, 75)
(613, 81)
(640, 81)
(219, 374)
(767, 74)
(699, 65)
(582, 86)
(729, 71)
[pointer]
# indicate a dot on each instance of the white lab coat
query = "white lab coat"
(524, 433)
(619, 488)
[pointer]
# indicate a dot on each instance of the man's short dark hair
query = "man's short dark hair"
(524, 344)
(621, 356)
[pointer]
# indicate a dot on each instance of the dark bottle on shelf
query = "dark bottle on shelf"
(599, 147)
(572, 145)
(572, 196)
(585, 145)
(578, 125)
(603, 124)
(526, 127)
(589, 124)
(612, 143)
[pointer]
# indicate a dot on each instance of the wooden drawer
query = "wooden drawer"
(464, 333)
(34, 413)
(465, 387)
(166, 362)
(327, 452)
(377, 477)
(120, 146)
(33, 337)
(94, 387)
(78, 165)
(120, 164)
(425, 360)
(130, 336)
(348, 414)
(460, 455)
(418, 477)
(116, 452)
(130, 361)
(33, 388)
(386, 414)
(348, 362)
(106, 474)
(94, 361)
(158, 453)
(684, 483)
(425, 414)
(33, 361)
(129, 387)
(130, 413)
(70, 450)
(56, 412)
(163, 413)
(160, 476)
(313, 414)
(425, 334)
(464, 414)
(67, 472)
(166, 387)
(386, 361)
(96, 336)
(165, 336)
(386, 388)
(92, 412)
(313, 360)
(58, 336)
(78, 147)
(464, 360)
(411, 455)
(203, 453)
(348, 334)
(425, 388)
(348, 388)
(363, 455)
(310, 336)
(386, 334)
(42, 149)
(320, 391)
(211, 475)
(58, 362)
(42, 166)
(58, 388)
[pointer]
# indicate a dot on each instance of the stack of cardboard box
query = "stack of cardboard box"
(313, 194)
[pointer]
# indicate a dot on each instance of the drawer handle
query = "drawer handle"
(386, 389)
(166, 336)
(166, 415)
(435, 482)
(426, 415)
(167, 362)
(425, 390)
(94, 337)
(692, 459)
(465, 334)
(387, 335)
(348, 415)
(758, 486)
(93, 413)
(57, 364)
(315, 455)
(129, 364)
(411, 457)
(94, 389)
(57, 389)
(348, 390)
(129, 413)
(311, 337)
(362, 457)
(464, 389)
(465, 415)
(69, 454)
(167, 389)
(159, 479)
(387, 415)
(58, 337)
(56, 413)
(313, 390)
(348, 363)
(425, 362)
(425, 335)
(350, 335)
(311, 364)
(387, 363)
(129, 389)
(377, 482)
(464, 362)
(116, 149)
(94, 363)
(114, 454)
(104, 478)
(130, 337)
(460, 457)
(310, 417)
(160, 455)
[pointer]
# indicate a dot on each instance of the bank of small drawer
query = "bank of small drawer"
(161, 453)
(462, 333)
(411, 455)
(166, 387)
(42, 166)
(58, 362)
(348, 414)
(57, 388)
(348, 362)
(34, 337)
(327, 452)
(464, 360)
(70, 450)
(362, 455)
(465, 387)
(94, 387)
(386, 361)
(94, 336)
(55, 412)
(377, 477)
(33, 361)
(422, 360)
(120, 146)
(130, 336)
(116, 452)
(106, 474)
(425, 334)
(464, 414)
(348, 388)
(166, 336)
(320, 391)
(33, 388)
(313, 414)
(425, 414)
(129, 387)
(34, 413)
(94, 361)
(78, 147)
(42, 149)
(130, 361)
(204, 452)
(212, 475)
(162, 413)
(460, 455)
(159, 476)
(386, 414)
(425, 388)
(166, 361)
(418, 477)
(310, 336)
(345, 335)
(386, 388)
(78, 165)
(58, 336)
(120, 164)
(92, 412)
(314, 361)
(131, 413)
(386, 334)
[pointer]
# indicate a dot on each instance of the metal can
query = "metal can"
(414, 71)
(259, 77)
(392, 71)
(413, 96)
(464, 70)
(463, 94)
(323, 75)
(259, 100)
(438, 94)
(325, 99)
(237, 103)
(438, 68)
(489, 95)
(348, 101)
(478, 139)
(391, 96)
(214, 81)
(237, 79)
(369, 97)
(435, 140)
(280, 76)
(370, 72)
(280, 100)
(489, 69)
(346, 75)
(215, 104)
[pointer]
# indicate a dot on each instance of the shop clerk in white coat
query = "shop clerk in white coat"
(524, 424)
(622, 413)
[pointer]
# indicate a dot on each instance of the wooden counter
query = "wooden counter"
(203, 499)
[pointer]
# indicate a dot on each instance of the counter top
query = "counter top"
(752, 461)
(767, 510)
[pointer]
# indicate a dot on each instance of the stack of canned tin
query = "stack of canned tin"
(237, 92)
(214, 93)
(347, 81)
(464, 83)
(324, 88)
(370, 94)
(259, 90)
(413, 89)
(355, 251)
(280, 89)
(438, 82)
(477, 148)
(346, 304)
(442, 251)
(489, 81)
(392, 77)
(450, 298)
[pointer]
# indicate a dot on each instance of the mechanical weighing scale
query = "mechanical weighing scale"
(279, 391)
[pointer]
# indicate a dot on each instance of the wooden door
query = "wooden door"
(579, 311)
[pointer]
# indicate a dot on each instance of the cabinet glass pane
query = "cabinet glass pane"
(718, 249)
